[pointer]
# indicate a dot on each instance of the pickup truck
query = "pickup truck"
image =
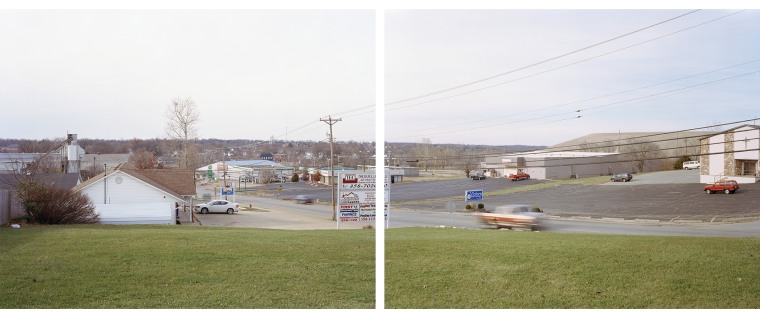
(519, 176)
(512, 216)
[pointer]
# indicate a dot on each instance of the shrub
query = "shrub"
(294, 178)
(678, 164)
(481, 206)
(47, 204)
(468, 207)
(536, 209)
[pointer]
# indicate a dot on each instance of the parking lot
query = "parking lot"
(673, 196)
(665, 196)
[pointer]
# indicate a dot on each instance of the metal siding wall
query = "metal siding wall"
(129, 191)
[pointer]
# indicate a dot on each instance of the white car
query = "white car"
(513, 216)
(688, 165)
(217, 206)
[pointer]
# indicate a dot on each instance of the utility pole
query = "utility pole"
(330, 122)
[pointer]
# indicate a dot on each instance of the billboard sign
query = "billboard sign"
(357, 198)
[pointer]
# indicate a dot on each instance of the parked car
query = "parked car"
(304, 199)
(688, 165)
(727, 186)
(624, 177)
(519, 176)
(217, 206)
(478, 176)
(513, 216)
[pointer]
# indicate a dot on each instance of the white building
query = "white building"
(124, 195)
(732, 154)
(563, 164)
(235, 170)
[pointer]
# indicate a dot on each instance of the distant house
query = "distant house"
(140, 196)
(266, 156)
(731, 154)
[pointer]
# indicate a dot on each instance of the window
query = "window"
(747, 167)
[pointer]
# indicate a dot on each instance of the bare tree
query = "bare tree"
(143, 159)
(469, 164)
(425, 151)
(183, 116)
(639, 151)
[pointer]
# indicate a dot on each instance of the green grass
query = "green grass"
(474, 269)
(138, 266)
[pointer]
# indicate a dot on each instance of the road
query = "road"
(272, 213)
(665, 203)
(588, 226)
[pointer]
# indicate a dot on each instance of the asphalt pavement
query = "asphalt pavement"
(669, 196)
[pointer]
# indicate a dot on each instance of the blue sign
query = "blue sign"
(473, 195)
(228, 191)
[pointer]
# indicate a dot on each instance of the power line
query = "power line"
(588, 99)
(537, 63)
(578, 113)
(550, 70)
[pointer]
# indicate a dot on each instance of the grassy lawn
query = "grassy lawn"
(473, 269)
(138, 266)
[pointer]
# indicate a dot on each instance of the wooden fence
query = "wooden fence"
(9, 206)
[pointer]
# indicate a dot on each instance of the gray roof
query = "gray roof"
(63, 180)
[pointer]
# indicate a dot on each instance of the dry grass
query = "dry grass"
(436, 175)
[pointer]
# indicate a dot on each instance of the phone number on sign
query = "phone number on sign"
(359, 186)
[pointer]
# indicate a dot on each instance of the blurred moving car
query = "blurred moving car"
(727, 186)
(478, 176)
(513, 216)
(688, 165)
(625, 177)
(519, 176)
(304, 199)
(217, 206)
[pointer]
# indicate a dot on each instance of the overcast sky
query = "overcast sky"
(253, 73)
(538, 103)
(497, 76)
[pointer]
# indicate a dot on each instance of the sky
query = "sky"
(254, 74)
(468, 75)
(546, 70)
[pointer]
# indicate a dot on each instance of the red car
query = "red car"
(727, 186)
(519, 176)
